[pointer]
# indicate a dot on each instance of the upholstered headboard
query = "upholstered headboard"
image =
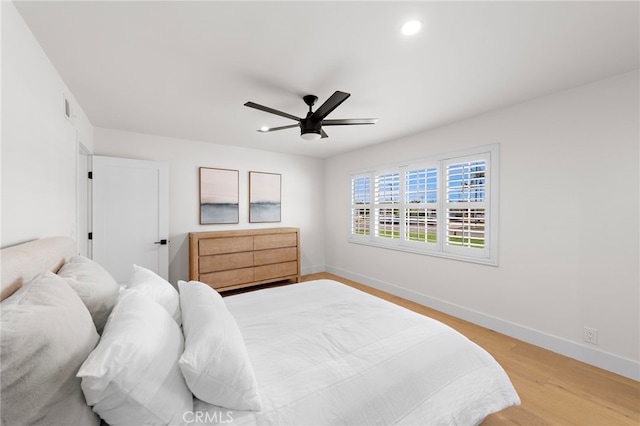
(22, 262)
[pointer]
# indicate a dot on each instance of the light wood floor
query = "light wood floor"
(554, 389)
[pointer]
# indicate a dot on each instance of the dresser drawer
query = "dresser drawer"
(225, 245)
(269, 241)
(228, 278)
(265, 257)
(276, 270)
(223, 262)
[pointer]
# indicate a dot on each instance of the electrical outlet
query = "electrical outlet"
(590, 335)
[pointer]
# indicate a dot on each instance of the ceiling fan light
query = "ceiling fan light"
(311, 136)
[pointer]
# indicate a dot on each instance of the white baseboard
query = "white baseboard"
(593, 356)
(312, 270)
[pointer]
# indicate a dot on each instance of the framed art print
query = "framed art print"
(219, 197)
(264, 197)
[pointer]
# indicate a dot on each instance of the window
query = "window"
(386, 211)
(360, 205)
(443, 206)
(420, 208)
(466, 204)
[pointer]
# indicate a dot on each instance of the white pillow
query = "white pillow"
(95, 286)
(215, 362)
(157, 288)
(47, 333)
(132, 377)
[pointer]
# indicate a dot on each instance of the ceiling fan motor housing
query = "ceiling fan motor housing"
(310, 126)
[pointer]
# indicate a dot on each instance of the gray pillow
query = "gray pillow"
(47, 333)
(95, 286)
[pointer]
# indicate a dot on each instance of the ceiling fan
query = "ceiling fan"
(311, 125)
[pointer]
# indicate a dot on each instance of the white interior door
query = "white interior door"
(130, 215)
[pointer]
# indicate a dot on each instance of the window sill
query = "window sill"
(398, 247)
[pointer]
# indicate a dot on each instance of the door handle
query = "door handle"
(162, 242)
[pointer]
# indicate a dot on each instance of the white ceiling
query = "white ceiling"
(185, 69)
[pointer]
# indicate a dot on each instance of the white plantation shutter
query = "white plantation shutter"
(444, 206)
(466, 205)
(386, 203)
(360, 205)
(421, 202)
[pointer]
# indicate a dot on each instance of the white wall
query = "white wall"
(569, 216)
(39, 145)
(569, 231)
(302, 189)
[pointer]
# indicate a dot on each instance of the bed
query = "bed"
(314, 353)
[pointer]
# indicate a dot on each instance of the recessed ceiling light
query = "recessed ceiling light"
(264, 129)
(411, 27)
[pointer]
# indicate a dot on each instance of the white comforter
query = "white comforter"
(327, 354)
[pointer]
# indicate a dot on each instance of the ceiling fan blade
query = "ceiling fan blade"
(329, 105)
(271, 110)
(349, 121)
(273, 129)
(323, 134)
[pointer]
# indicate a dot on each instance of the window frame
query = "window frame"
(485, 255)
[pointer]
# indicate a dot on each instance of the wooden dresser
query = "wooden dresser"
(228, 260)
